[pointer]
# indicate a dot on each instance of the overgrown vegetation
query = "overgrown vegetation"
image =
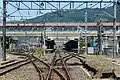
(39, 51)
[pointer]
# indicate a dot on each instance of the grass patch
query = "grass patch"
(39, 51)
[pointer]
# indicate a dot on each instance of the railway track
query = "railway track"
(53, 72)
(17, 64)
(8, 67)
(59, 74)
(82, 63)
(46, 71)
(50, 69)
(12, 66)
(65, 67)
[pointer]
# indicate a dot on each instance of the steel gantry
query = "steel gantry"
(43, 6)
(46, 5)
(54, 5)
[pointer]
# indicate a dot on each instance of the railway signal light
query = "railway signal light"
(103, 35)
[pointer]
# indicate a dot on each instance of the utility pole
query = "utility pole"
(4, 31)
(44, 41)
(114, 30)
(86, 33)
(44, 32)
(99, 37)
(79, 40)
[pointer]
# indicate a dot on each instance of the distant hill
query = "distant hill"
(77, 15)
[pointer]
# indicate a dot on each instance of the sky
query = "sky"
(33, 13)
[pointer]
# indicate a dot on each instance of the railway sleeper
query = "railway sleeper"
(93, 70)
(107, 75)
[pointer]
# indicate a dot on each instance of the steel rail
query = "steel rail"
(37, 69)
(65, 67)
(57, 72)
(14, 63)
(13, 68)
(62, 58)
(51, 68)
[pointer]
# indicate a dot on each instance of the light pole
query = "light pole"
(86, 33)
